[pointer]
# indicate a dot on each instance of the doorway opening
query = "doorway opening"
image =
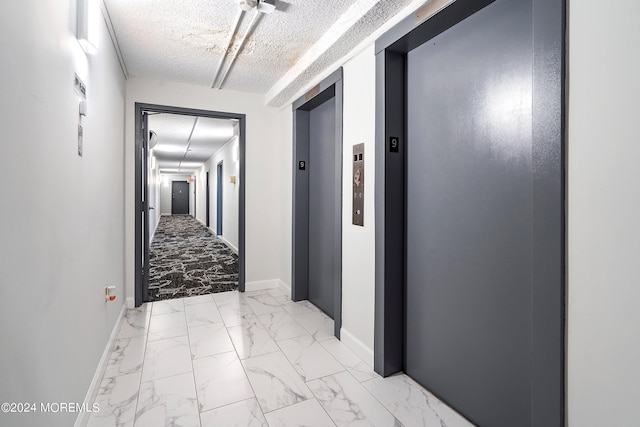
(470, 221)
(187, 144)
(317, 198)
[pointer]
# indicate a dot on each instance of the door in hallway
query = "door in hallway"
(207, 197)
(322, 191)
(179, 198)
(469, 215)
(219, 199)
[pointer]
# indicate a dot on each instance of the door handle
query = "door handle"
(151, 207)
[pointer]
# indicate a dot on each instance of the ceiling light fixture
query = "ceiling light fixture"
(247, 5)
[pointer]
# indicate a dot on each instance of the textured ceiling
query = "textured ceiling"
(183, 40)
(186, 142)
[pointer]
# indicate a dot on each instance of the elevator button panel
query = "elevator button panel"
(358, 185)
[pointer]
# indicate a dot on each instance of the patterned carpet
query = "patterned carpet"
(186, 259)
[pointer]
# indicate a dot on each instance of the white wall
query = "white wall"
(358, 243)
(604, 214)
(230, 192)
(165, 191)
(264, 148)
(61, 220)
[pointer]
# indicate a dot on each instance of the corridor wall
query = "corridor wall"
(62, 226)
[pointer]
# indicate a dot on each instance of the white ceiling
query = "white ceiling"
(183, 40)
(186, 142)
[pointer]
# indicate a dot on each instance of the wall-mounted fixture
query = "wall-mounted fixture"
(232, 179)
(109, 293)
(85, 25)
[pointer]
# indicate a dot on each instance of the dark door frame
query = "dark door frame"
(141, 110)
(219, 200)
(327, 89)
(548, 278)
(207, 199)
(195, 195)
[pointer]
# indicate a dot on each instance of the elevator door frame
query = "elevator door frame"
(327, 89)
(548, 278)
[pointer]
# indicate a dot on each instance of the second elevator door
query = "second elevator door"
(469, 215)
(322, 194)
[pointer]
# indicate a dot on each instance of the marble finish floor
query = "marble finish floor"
(252, 359)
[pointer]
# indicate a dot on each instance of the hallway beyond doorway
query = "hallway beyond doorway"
(186, 259)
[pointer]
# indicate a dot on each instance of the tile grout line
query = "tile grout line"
(144, 357)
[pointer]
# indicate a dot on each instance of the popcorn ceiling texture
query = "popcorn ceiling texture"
(182, 40)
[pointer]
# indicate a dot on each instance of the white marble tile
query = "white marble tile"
(126, 357)
(309, 358)
(299, 307)
(349, 403)
(252, 340)
(117, 398)
(412, 404)
(135, 322)
(281, 325)
(246, 413)
(202, 314)
(166, 358)
(234, 314)
(317, 324)
(167, 326)
(220, 380)
(168, 402)
(167, 306)
(276, 292)
(230, 297)
(275, 382)
(359, 369)
(199, 299)
(262, 303)
(308, 414)
(209, 339)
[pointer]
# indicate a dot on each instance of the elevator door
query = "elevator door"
(469, 215)
(322, 194)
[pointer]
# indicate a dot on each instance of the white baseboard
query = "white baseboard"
(357, 346)
(262, 284)
(285, 288)
(94, 387)
(226, 242)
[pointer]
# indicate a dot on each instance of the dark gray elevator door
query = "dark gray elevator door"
(322, 193)
(469, 215)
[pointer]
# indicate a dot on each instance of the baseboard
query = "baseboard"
(226, 242)
(130, 302)
(285, 288)
(357, 346)
(94, 387)
(262, 284)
